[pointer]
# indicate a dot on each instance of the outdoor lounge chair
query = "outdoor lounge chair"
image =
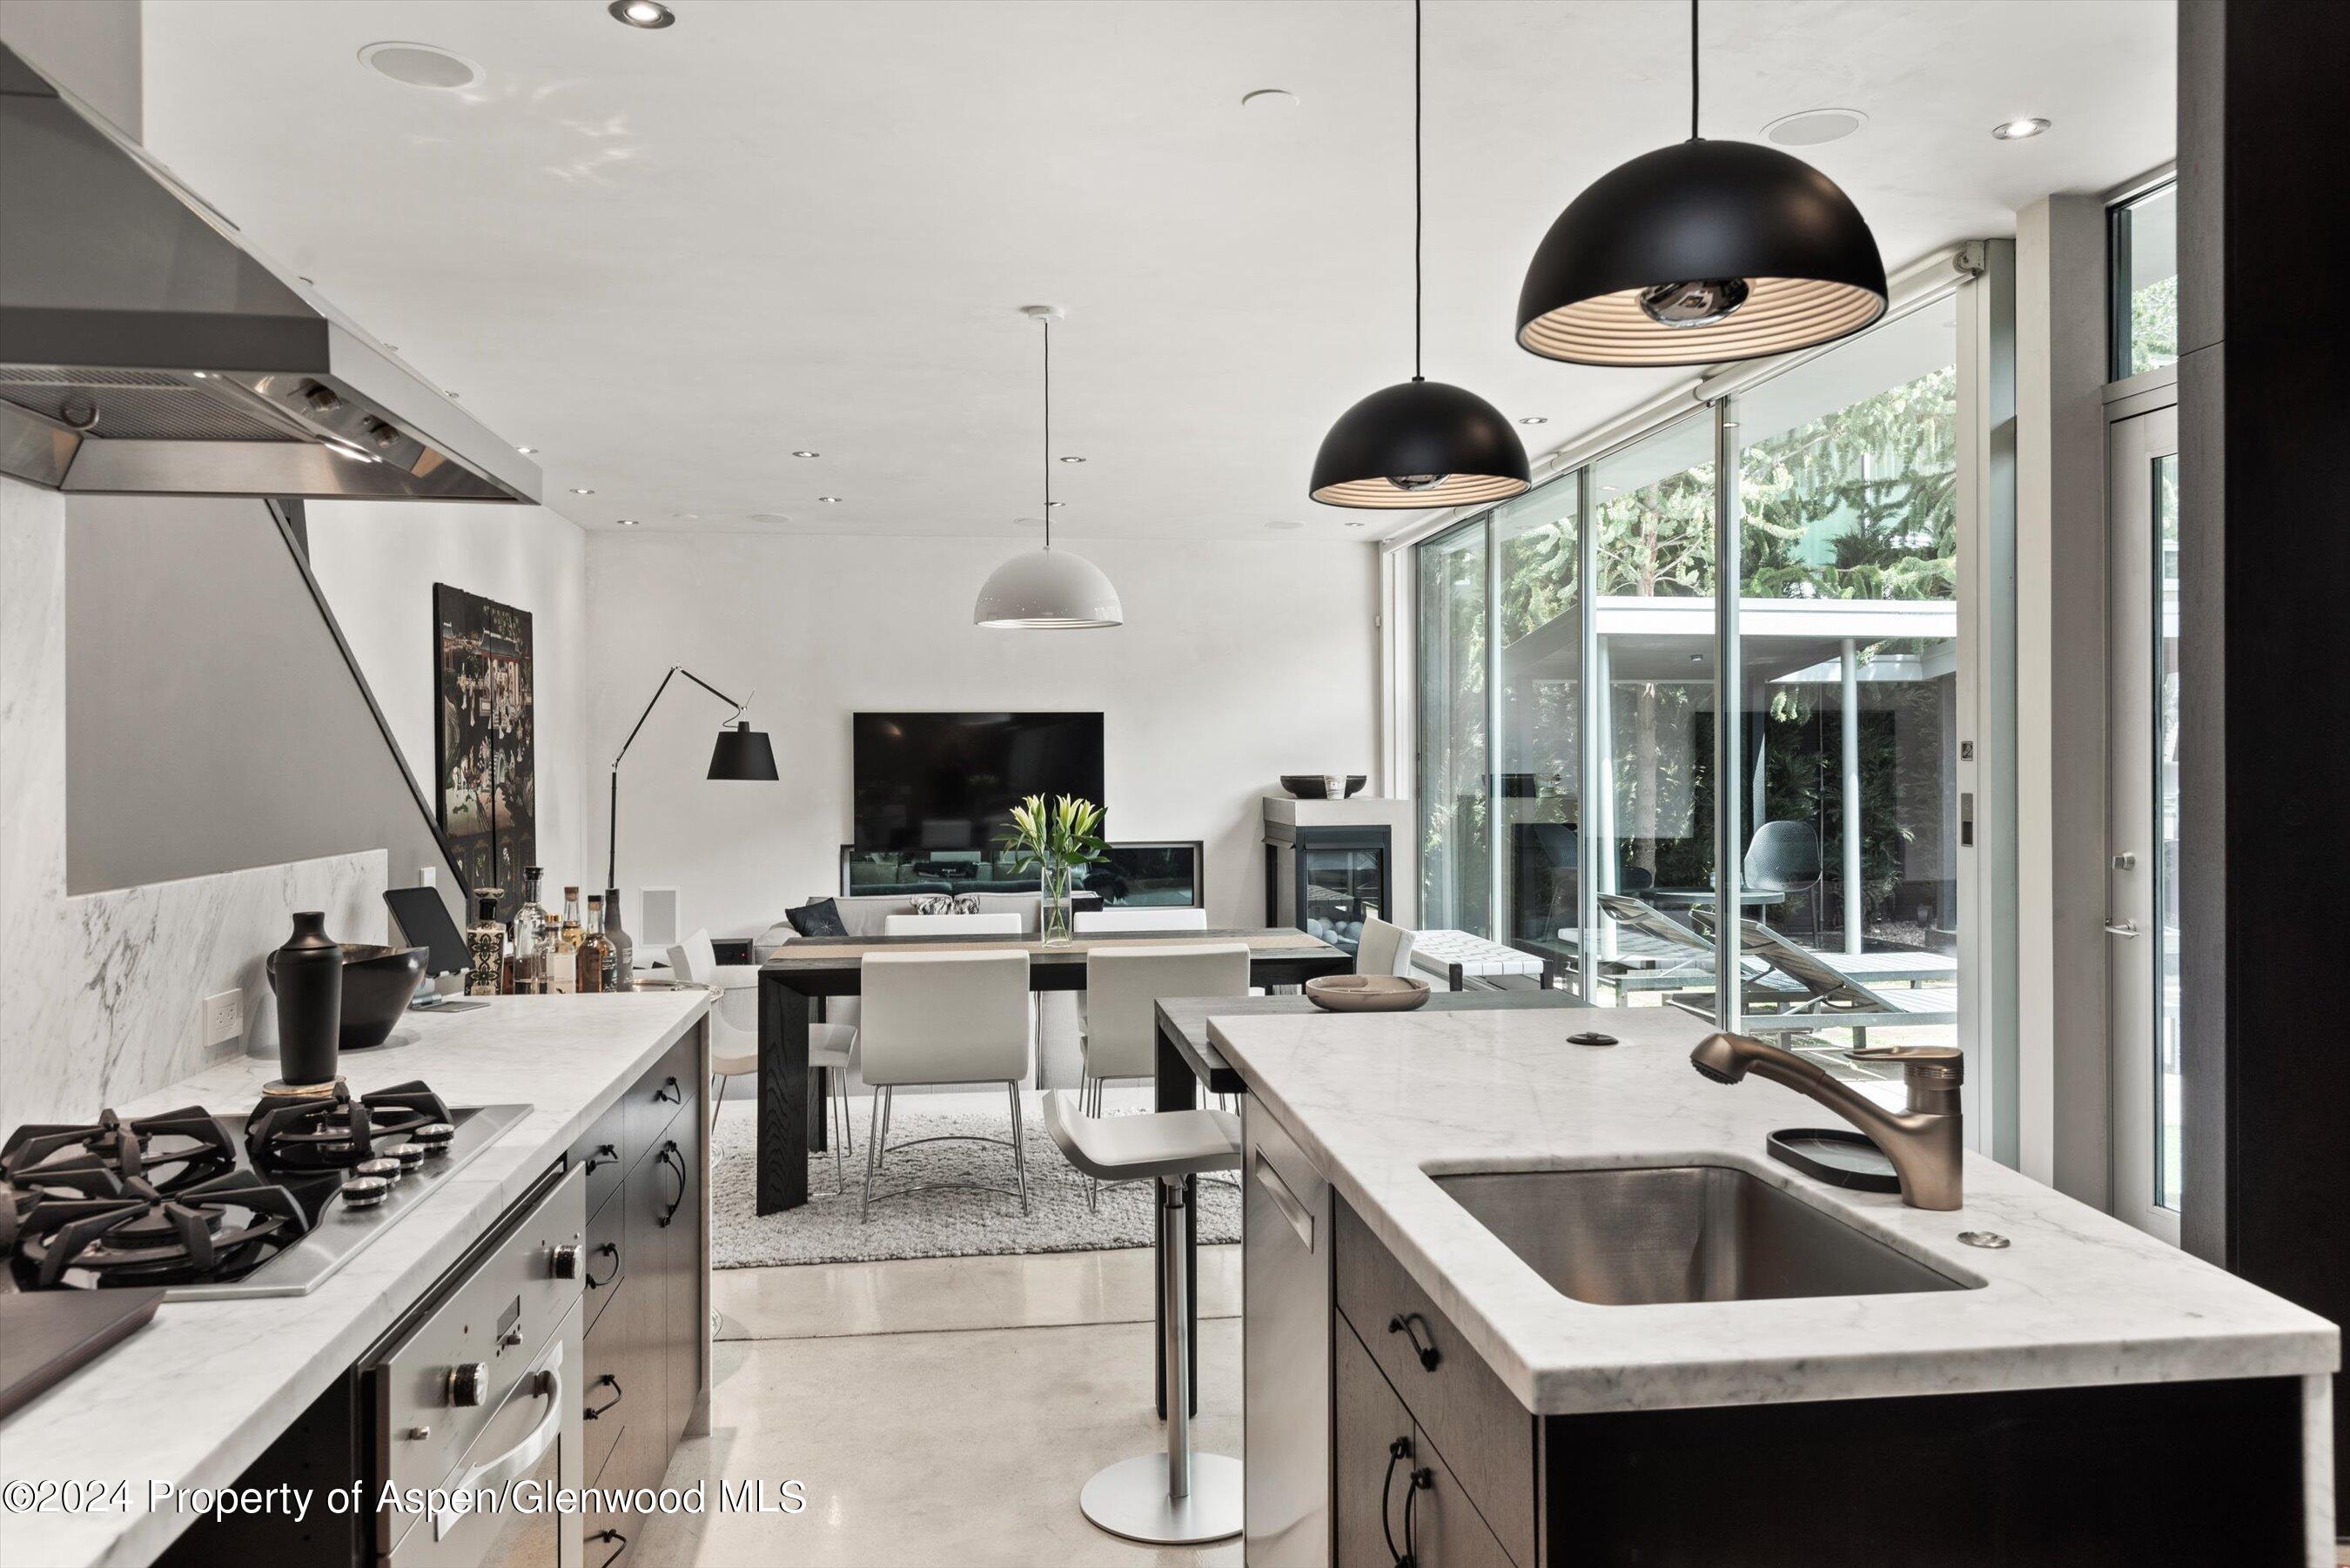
(1833, 999)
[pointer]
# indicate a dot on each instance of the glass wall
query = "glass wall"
(2144, 238)
(1455, 870)
(1652, 513)
(1848, 628)
(1603, 693)
(2171, 1084)
(1539, 712)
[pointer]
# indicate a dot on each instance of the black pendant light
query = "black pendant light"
(1699, 255)
(1419, 444)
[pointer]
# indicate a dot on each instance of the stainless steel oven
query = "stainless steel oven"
(475, 1409)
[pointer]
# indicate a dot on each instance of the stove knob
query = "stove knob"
(469, 1384)
(566, 1260)
(364, 1191)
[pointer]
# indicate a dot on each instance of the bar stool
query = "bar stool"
(1178, 1498)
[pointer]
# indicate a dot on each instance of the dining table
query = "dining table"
(801, 975)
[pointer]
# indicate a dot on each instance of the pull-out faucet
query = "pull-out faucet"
(1924, 1143)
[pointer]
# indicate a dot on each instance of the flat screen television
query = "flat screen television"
(947, 782)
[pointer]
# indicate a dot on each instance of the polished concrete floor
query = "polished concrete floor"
(942, 1410)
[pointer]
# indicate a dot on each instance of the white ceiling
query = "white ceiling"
(667, 258)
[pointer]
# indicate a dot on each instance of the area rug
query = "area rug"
(947, 1224)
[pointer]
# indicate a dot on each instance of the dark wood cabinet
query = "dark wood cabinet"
(2129, 1476)
(1393, 1493)
(1368, 1420)
(647, 1308)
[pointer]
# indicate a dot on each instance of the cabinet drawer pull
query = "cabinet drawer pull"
(614, 1249)
(593, 1411)
(1398, 1451)
(669, 1091)
(673, 1158)
(1402, 1323)
(606, 1154)
(618, 1551)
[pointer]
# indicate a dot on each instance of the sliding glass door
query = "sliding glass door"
(1538, 714)
(1454, 775)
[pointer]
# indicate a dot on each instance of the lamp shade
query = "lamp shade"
(743, 753)
(1699, 253)
(1418, 445)
(1047, 590)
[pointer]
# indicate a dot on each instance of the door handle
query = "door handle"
(2121, 928)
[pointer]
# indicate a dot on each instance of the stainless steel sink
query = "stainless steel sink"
(1680, 1233)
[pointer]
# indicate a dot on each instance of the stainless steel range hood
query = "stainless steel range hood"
(145, 350)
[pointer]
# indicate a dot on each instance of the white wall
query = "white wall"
(378, 561)
(1238, 662)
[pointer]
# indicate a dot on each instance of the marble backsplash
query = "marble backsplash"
(100, 993)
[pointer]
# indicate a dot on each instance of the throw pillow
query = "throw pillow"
(821, 919)
(946, 903)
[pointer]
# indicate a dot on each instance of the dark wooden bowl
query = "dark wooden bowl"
(378, 983)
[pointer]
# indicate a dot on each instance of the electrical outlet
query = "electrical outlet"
(222, 1017)
(424, 876)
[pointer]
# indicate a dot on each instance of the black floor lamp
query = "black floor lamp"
(741, 753)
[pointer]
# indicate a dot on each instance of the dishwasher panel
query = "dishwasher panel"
(1285, 1305)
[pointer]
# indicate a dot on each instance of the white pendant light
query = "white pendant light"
(1047, 589)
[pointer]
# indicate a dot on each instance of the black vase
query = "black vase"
(307, 973)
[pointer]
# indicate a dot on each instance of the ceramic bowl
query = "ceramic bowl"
(1367, 993)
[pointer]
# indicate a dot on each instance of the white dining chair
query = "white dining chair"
(1006, 923)
(735, 1037)
(1123, 985)
(1384, 948)
(1170, 918)
(942, 1018)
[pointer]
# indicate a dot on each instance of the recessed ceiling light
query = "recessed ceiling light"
(1285, 525)
(805, 453)
(647, 13)
(1535, 420)
(581, 490)
(829, 500)
(1810, 127)
(626, 522)
(2017, 129)
(1073, 459)
(1056, 504)
(1269, 98)
(421, 65)
(527, 451)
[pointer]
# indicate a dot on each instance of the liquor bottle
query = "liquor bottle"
(485, 942)
(532, 938)
(572, 931)
(595, 957)
(624, 950)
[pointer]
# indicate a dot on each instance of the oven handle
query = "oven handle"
(516, 1461)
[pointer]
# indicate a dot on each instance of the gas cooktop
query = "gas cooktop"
(211, 1208)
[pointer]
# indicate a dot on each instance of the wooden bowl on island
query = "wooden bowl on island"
(1367, 993)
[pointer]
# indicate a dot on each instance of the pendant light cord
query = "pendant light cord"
(1692, 70)
(1048, 432)
(1416, 199)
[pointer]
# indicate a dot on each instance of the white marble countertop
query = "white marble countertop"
(1381, 1102)
(194, 1397)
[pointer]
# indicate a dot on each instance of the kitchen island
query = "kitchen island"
(195, 1397)
(2082, 1394)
